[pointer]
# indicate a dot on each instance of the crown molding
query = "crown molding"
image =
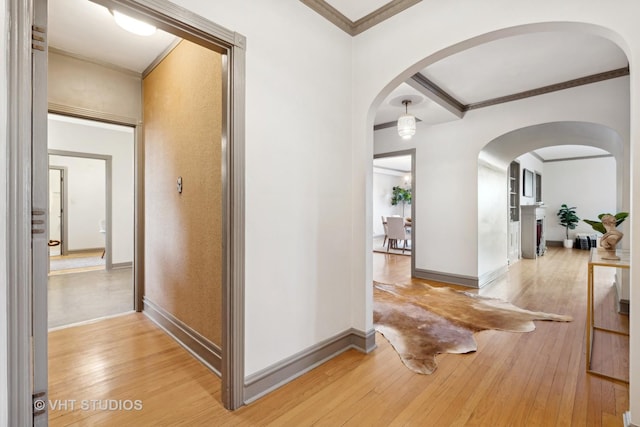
(334, 16)
(566, 159)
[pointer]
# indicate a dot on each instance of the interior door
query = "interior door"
(39, 207)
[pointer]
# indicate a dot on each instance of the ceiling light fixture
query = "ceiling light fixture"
(406, 122)
(133, 25)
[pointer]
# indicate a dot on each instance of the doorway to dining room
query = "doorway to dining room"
(393, 196)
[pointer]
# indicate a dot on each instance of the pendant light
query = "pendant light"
(406, 122)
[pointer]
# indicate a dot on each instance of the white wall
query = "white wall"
(492, 218)
(383, 183)
(588, 184)
(83, 136)
(298, 185)
(86, 198)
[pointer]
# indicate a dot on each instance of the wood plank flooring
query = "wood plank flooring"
(514, 379)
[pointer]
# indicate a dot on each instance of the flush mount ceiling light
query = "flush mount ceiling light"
(406, 122)
(133, 25)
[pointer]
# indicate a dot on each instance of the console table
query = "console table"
(595, 259)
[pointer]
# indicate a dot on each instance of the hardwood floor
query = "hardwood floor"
(514, 379)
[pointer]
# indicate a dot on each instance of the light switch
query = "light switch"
(179, 184)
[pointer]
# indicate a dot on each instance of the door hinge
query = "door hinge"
(38, 38)
(39, 403)
(38, 224)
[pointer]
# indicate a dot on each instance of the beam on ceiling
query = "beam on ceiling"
(593, 78)
(436, 94)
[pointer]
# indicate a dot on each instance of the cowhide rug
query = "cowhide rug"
(421, 321)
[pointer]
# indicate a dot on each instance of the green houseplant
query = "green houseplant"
(400, 195)
(599, 227)
(569, 220)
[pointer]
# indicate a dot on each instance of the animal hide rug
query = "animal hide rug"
(421, 321)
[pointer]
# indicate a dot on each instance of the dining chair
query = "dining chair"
(384, 225)
(396, 232)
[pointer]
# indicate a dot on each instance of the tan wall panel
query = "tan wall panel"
(82, 84)
(182, 131)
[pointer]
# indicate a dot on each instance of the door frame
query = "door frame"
(20, 108)
(408, 152)
(108, 206)
(63, 207)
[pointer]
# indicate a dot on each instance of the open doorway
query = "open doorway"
(29, 339)
(91, 276)
(77, 227)
(393, 190)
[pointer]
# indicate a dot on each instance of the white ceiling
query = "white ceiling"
(523, 62)
(87, 29)
(559, 152)
(495, 69)
(396, 163)
(504, 67)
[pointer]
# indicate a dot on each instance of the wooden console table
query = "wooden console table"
(595, 259)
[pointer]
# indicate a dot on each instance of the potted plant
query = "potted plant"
(599, 226)
(569, 220)
(610, 235)
(400, 195)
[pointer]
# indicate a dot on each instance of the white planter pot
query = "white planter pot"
(568, 243)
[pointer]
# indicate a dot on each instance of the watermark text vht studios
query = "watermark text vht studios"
(88, 404)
